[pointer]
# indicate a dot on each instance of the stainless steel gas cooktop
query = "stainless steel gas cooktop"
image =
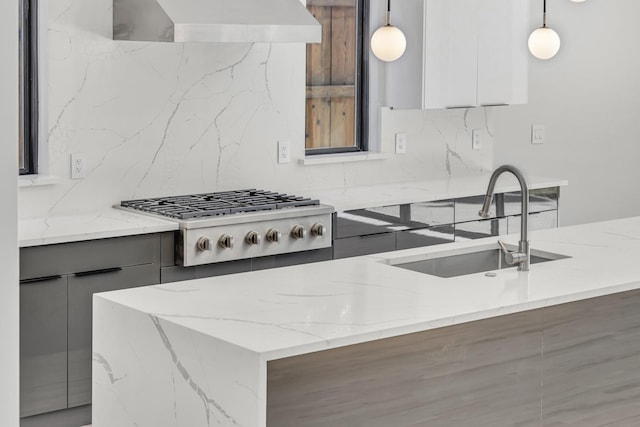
(230, 225)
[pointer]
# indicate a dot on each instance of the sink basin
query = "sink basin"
(466, 261)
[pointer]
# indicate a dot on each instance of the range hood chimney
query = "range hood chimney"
(269, 21)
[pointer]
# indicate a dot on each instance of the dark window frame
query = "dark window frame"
(362, 86)
(29, 106)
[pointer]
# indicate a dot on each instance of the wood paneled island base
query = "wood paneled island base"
(570, 364)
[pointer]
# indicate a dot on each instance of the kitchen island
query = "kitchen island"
(360, 341)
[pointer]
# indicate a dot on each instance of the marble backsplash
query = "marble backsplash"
(155, 119)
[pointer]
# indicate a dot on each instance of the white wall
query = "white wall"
(588, 97)
(8, 214)
(159, 118)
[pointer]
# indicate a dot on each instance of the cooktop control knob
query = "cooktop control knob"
(252, 238)
(274, 235)
(203, 244)
(298, 232)
(318, 230)
(226, 241)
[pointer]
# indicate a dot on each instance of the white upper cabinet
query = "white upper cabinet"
(460, 53)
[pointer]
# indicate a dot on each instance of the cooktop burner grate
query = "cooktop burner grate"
(215, 204)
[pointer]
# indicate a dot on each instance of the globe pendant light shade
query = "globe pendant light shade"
(544, 43)
(388, 43)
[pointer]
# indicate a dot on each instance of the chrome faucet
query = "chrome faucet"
(523, 256)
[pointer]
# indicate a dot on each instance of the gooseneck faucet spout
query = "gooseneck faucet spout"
(523, 256)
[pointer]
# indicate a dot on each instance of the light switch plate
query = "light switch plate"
(537, 134)
(78, 166)
(475, 139)
(284, 152)
(401, 143)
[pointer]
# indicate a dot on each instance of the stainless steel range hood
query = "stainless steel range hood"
(270, 21)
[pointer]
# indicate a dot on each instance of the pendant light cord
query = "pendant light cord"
(389, 12)
(544, 13)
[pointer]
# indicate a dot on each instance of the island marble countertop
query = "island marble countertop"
(117, 223)
(295, 310)
(196, 352)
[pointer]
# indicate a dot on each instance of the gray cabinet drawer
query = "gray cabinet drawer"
(385, 219)
(69, 258)
(427, 214)
(425, 237)
(81, 288)
(43, 346)
(479, 229)
(537, 221)
(362, 222)
(467, 208)
(363, 245)
(540, 200)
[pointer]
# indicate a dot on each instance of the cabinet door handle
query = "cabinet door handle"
(456, 107)
(94, 272)
(40, 279)
(494, 105)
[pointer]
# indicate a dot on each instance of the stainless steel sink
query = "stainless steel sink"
(467, 261)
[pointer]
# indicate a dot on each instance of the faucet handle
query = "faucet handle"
(511, 257)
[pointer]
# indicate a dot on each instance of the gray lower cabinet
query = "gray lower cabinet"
(82, 286)
(57, 283)
(373, 230)
(43, 345)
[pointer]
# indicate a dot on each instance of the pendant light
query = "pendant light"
(388, 43)
(544, 42)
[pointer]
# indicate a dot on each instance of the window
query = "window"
(28, 136)
(336, 110)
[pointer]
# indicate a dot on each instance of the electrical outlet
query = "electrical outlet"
(284, 152)
(537, 134)
(475, 139)
(401, 143)
(78, 166)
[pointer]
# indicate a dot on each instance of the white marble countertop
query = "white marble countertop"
(370, 196)
(97, 225)
(295, 310)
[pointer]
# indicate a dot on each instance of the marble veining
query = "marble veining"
(157, 119)
(209, 404)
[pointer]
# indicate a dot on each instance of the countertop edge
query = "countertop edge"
(445, 322)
